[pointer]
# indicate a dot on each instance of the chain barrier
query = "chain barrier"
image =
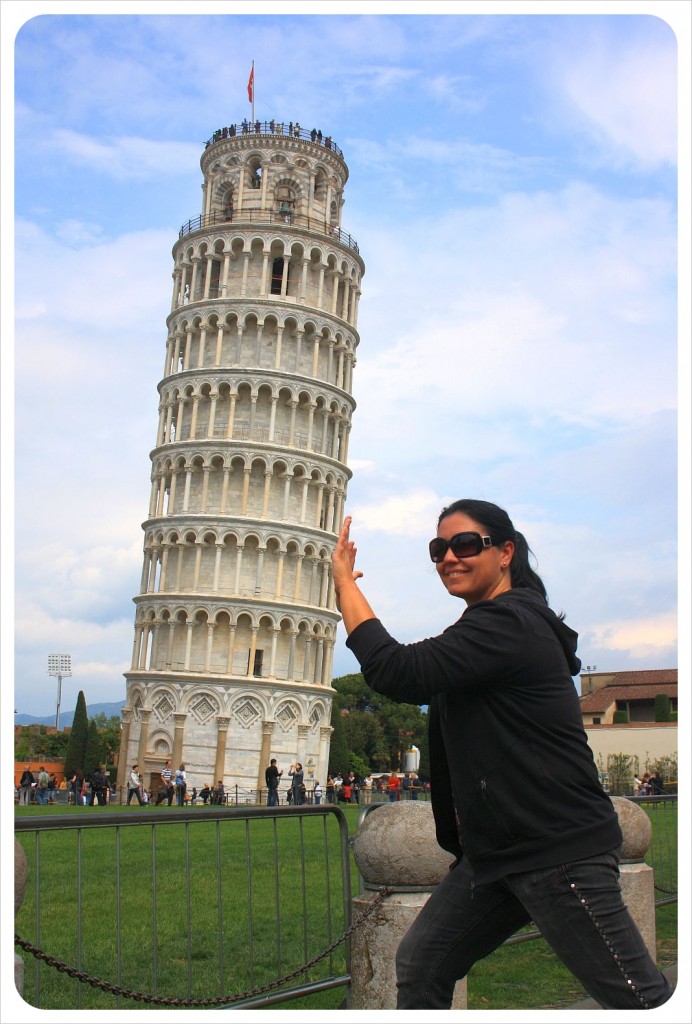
(224, 1000)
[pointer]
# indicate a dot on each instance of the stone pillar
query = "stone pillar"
(144, 716)
(177, 755)
(222, 723)
(265, 754)
(395, 846)
(21, 874)
(636, 877)
(123, 754)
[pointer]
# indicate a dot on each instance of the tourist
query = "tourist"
(25, 783)
(42, 786)
(271, 777)
(515, 791)
(134, 785)
(180, 786)
(295, 773)
(167, 789)
(98, 783)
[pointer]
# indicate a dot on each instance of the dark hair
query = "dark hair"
(500, 528)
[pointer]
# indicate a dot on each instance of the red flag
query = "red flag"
(251, 84)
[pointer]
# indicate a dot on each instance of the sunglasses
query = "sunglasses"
(463, 545)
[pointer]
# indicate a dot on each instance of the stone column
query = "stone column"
(124, 746)
(395, 846)
(145, 715)
(265, 754)
(21, 874)
(636, 877)
(220, 762)
(177, 755)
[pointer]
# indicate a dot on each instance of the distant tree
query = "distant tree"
(376, 727)
(662, 708)
(357, 765)
(666, 767)
(338, 748)
(109, 730)
(621, 771)
(56, 744)
(365, 737)
(77, 743)
(93, 755)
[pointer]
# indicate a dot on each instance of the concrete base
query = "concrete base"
(373, 950)
(637, 883)
(19, 974)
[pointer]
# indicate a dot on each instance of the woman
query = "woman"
(180, 786)
(296, 774)
(503, 706)
(134, 785)
(393, 786)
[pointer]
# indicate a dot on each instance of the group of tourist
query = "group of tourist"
(648, 785)
(44, 788)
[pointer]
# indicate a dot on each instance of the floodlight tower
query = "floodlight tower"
(59, 665)
(235, 620)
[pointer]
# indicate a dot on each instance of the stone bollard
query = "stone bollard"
(21, 873)
(395, 846)
(636, 877)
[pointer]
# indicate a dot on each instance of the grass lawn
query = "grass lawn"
(264, 897)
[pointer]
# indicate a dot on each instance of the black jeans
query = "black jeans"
(579, 910)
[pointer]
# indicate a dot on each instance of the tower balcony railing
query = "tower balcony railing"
(279, 128)
(242, 432)
(300, 220)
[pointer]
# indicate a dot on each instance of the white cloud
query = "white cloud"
(125, 157)
(624, 89)
(650, 637)
(407, 514)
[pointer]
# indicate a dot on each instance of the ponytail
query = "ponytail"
(520, 570)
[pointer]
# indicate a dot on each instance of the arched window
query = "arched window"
(277, 275)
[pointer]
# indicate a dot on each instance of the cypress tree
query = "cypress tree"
(76, 747)
(662, 708)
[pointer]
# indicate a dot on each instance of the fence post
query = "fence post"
(21, 873)
(636, 877)
(395, 846)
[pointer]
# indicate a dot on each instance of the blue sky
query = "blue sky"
(513, 189)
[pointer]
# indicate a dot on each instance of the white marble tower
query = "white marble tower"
(235, 620)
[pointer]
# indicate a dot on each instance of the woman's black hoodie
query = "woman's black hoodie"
(513, 780)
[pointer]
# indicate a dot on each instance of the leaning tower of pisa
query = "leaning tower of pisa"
(235, 619)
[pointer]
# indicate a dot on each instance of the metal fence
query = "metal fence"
(185, 907)
(223, 906)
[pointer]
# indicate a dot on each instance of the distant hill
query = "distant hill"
(66, 717)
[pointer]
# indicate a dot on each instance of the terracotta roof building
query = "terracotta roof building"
(632, 692)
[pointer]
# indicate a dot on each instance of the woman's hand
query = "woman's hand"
(350, 602)
(344, 560)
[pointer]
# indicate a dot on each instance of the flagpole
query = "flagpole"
(252, 76)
